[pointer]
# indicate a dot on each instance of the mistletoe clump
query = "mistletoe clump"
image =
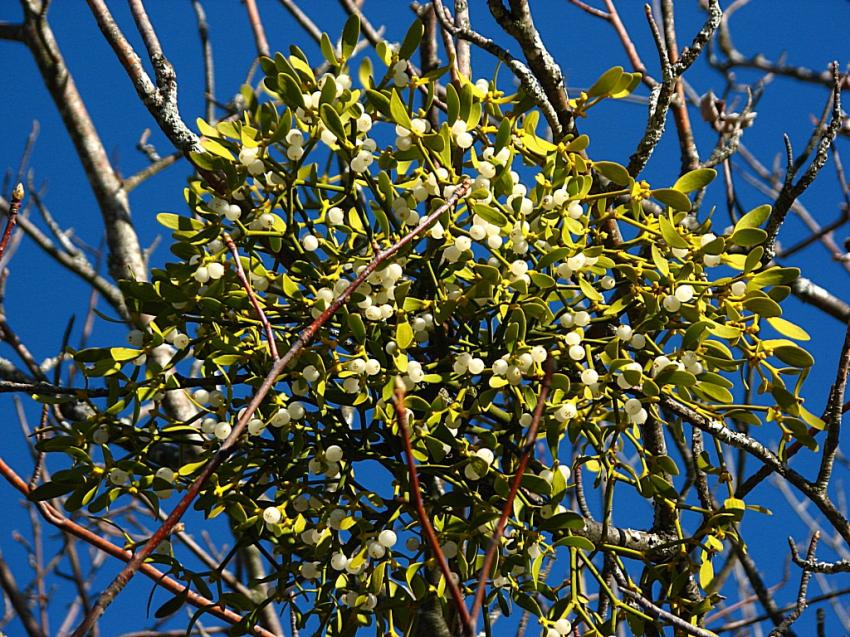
(527, 265)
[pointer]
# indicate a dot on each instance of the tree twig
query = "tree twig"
(257, 27)
(237, 261)
(507, 509)
(12, 216)
(467, 621)
(802, 600)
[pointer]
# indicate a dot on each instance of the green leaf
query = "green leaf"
(491, 215)
(774, 276)
(327, 48)
(567, 520)
(52, 490)
(411, 40)
(671, 237)
(331, 119)
(789, 329)
(715, 392)
(793, 355)
(172, 605)
(754, 218)
(552, 256)
(403, 334)
(357, 327)
(676, 199)
(212, 146)
(576, 542)
(706, 574)
(606, 82)
(399, 111)
(763, 306)
(350, 35)
(124, 353)
(613, 172)
(588, 290)
(748, 237)
(291, 90)
(695, 179)
(179, 222)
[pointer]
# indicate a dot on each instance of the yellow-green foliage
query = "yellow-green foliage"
(552, 254)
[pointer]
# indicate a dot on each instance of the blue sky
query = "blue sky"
(41, 297)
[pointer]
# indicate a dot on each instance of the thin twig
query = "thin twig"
(12, 218)
(507, 509)
(302, 19)
(659, 613)
(250, 292)
(422, 514)
(791, 191)
(133, 181)
(802, 602)
(832, 416)
(209, 60)
(18, 602)
(257, 27)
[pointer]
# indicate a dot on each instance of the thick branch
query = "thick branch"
(125, 254)
(518, 23)
(160, 99)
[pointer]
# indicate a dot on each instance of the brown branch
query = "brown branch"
(663, 95)
(257, 27)
(12, 32)
(812, 293)
(464, 61)
(250, 292)
(12, 216)
(133, 182)
(55, 517)
(832, 416)
(160, 99)
(146, 30)
(791, 191)
(230, 443)
(526, 77)
(612, 17)
(767, 457)
(679, 106)
(527, 449)
(125, 254)
(597, 13)
(468, 623)
(302, 19)
(802, 602)
(19, 603)
(519, 24)
(209, 61)
(659, 613)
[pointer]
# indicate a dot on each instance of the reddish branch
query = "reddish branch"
(612, 17)
(14, 207)
(250, 292)
(424, 520)
(690, 158)
(527, 450)
(230, 443)
(257, 27)
(52, 515)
